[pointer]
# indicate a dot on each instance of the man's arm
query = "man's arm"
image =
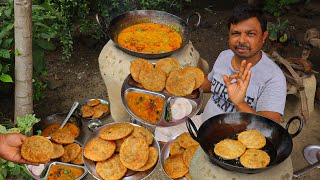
(206, 85)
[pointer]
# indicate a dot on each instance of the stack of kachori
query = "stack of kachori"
(94, 109)
(168, 74)
(40, 149)
(119, 147)
(247, 147)
(181, 152)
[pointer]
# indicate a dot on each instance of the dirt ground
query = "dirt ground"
(80, 79)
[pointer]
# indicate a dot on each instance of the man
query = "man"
(10, 148)
(243, 78)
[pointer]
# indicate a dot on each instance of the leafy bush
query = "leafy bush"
(274, 7)
(278, 30)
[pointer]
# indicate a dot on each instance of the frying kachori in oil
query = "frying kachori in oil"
(185, 140)
(196, 73)
(71, 151)
(58, 150)
(131, 155)
(37, 149)
(252, 139)
(152, 79)
(175, 167)
(111, 168)
(116, 131)
(255, 158)
(152, 159)
(179, 84)
(229, 149)
(136, 66)
(98, 149)
(167, 65)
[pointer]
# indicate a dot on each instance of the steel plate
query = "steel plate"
(78, 110)
(310, 153)
(130, 175)
(165, 153)
(129, 85)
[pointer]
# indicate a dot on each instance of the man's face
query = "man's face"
(246, 38)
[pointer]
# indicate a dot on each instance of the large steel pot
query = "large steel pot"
(279, 141)
(122, 21)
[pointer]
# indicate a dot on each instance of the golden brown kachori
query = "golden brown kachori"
(94, 102)
(142, 132)
(116, 131)
(134, 152)
(78, 160)
(229, 149)
(62, 138)
(167, 65)
(255, 158)
(58, 150)
(196, 73)
(252, 139)
(98, 149)
(136, 66)
(175, 148)
(188, 154)
(152, 159)
(152, 79)
(111, 169)
(103, 107)
(187, 176)
(74, 130)
(97, 113)
(185, 140)
(37, 149)
(175, 167)
(71, 151)
(179, 84)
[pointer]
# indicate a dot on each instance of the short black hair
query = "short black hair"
(246, 11)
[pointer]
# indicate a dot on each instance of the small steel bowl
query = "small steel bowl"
(79, 113)
(94, 124)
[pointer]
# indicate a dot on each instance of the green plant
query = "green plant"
(278, 31)
(7, 168)
(274, 7)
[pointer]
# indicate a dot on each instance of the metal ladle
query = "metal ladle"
(308, 168)
(74, 107)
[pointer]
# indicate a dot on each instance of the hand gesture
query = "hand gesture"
(10, 147)
(237, 90)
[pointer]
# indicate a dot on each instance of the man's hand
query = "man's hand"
(10, 148)
(237, 90)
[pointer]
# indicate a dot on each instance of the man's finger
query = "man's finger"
(226, 80)
(242, 67)
(245, 73)
(233, 76)
(248, 77)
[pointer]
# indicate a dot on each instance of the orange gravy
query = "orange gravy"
(64, 172)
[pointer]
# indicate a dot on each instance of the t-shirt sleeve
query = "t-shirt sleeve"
(273, 96)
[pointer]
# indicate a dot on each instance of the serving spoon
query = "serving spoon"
(74, 107)
(308, 168)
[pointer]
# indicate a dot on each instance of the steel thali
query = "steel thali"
(130, 85)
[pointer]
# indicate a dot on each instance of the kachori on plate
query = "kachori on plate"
(152, 159)
(58, 150)
(152, 79)
(62, 138)
(71, 151)
(196, 73)
(142, 132)
(229, 149)
(111, 168)
(179, 84)
(78, 160)
(98, 149)
(175, 167)
(185, 140)
(188, 154)
(175, 148)
(255, 158)
(116, 131)
(167, 65)
(136, 66)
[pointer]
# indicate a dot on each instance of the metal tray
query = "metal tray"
(47, 166)
(165, 153)
(78, 110)
(130, 175)
(129, 85)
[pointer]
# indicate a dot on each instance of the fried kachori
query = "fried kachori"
(103, 107)
(62, 138)
(187, 176)
(185, 140)
(111, 169)
(175, 167)
(71, 151)
(78, 160)
(58, 150)
(175, 148)
(97, 113)
(74, 130)
(179, 84)
(136, 66)
(143, 132)
(229, 149)
(94, 102)
(94, 109)
(196, 73)
(252, 139)
(134, 152)
(167, 65)
(116, 131)
(37, 149)
(255, 158)
(98, 149)
(152, 79)
(152, 159)
(188, 154)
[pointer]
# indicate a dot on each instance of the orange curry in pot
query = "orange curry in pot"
(150, 38)
(145, 106)
(64, 172)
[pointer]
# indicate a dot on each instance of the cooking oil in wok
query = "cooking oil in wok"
(268, 148)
